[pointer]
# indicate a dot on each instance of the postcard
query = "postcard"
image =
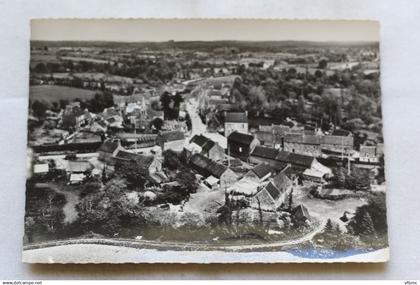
(205, 141)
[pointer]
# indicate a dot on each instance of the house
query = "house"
(302, 144)
(267, 199)
(108, 150)
(236, 121)
(84, 120)
(78, 166)
(261, 172)
(77, 170)
(341, 144)
(241, 145)
(207, 167)
(301, 214)
(137, 140)
(211, 182)
(41, 168)
(298, 163)
(173, 140)
(273, 194)
(267, 155)
(208, 147)
(98, 127)
(149, 165)
(369, 154)
(283, 183)
(76, 178)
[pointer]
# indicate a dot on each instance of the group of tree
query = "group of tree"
(358, 179)
(285, 93)
(148, 70)
(370, 222)
(44, 212)
(170, 105)
(107, 210)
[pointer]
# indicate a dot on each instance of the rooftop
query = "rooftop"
(109, 146)
(262, 170)
(240, 138)
(171, 136)
(265, 152)
(206, 165)
(236, 117)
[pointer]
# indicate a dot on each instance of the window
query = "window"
(240, 149)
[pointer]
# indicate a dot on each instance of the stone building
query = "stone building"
(236, 121)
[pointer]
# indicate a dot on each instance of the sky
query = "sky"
(137, 30)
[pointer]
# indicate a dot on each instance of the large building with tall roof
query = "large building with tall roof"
(236, 121)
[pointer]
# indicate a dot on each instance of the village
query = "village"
(227, 147)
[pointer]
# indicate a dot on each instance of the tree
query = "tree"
(376, 209)
(41, 68)
(157, 123)
(187, 178)
(329, 226)
(39, 108)
(366, 225)
(322, 63)
(171, 160)
(132, 172)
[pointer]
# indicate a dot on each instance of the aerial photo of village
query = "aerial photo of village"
(219, 145)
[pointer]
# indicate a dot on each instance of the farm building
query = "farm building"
(241, 145)
(236, 121)
(207, 167)
(108, 150)
(208, 147)
(173, 140)
(261, 172)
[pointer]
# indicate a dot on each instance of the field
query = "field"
(53, 93)
(86, 59)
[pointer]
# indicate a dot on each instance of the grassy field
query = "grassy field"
(51, 93)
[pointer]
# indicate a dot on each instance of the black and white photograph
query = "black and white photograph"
(205, 141)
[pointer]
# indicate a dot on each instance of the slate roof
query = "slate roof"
(337, 140)
(341, 132)
(265, 152)
(78, 166)
(262, 169)
(272, 190)
(301, 211)
(303, 139)
(205, 143)
(281, 181)
(199, 140)
(300, 159)
(143, 161)
(108, 146)
(240, 138)
(236, 117)
(282, 156)
(169, 136)
(206, 166)
(367, 150)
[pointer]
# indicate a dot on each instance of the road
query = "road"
(198, 127)
(178, 245)
(106, 253)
